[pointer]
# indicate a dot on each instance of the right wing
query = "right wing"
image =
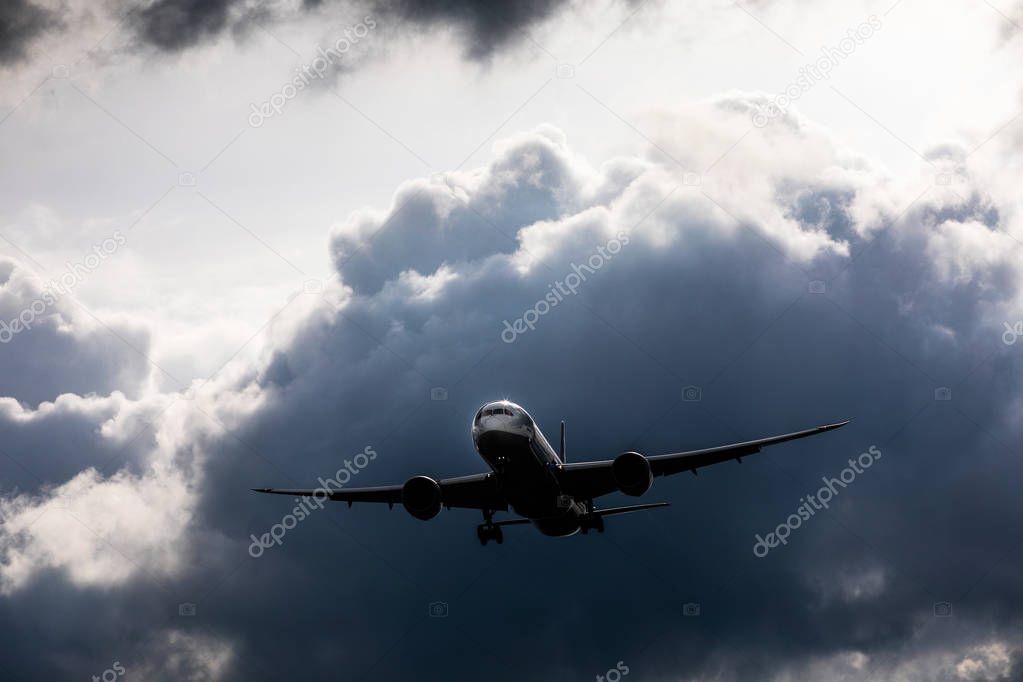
(592, 479)
(478, 491)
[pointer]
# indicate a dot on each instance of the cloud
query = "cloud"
(21, 22)
(52, 344)
(172, 25)
(99, 532)
(484, 28)
(712, 290)
(182, 655)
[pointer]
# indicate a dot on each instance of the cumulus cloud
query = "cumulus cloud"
(100, 532)
(52, 344)
(21, 21)
(711, 290)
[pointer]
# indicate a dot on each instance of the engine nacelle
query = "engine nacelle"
(421, 497)
(632, 473)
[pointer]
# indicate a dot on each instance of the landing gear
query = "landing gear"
(591, 522)
(488, 531)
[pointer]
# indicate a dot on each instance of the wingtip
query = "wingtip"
(836, 425)
(260, 490)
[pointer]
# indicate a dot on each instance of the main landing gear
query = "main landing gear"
(488, 531)
(591, 521)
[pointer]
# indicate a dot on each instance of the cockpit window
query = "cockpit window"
(495, 410)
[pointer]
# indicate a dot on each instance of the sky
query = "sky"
(243, 242)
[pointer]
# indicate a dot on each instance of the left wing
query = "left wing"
(592, 479)
(478, 491)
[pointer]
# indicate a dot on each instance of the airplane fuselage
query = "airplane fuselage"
(515, 449)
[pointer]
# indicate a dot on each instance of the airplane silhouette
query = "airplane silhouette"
(529, 477)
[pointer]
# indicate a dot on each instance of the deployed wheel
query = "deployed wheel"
(486, 533)
(592, 522)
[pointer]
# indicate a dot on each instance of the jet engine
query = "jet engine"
(421, 497)
(632, 473)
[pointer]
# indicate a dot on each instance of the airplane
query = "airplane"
(527, 476)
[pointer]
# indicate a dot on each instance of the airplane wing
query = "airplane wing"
(592, 479)
(478, 491)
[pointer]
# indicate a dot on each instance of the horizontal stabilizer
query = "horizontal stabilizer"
(631, 508)
(611, 511)
(511, 522)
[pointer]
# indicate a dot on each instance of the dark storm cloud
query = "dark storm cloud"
(484, 27)
(21, 22)
(173, 25)
(693, 299)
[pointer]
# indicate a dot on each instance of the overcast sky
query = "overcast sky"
(243, 241)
